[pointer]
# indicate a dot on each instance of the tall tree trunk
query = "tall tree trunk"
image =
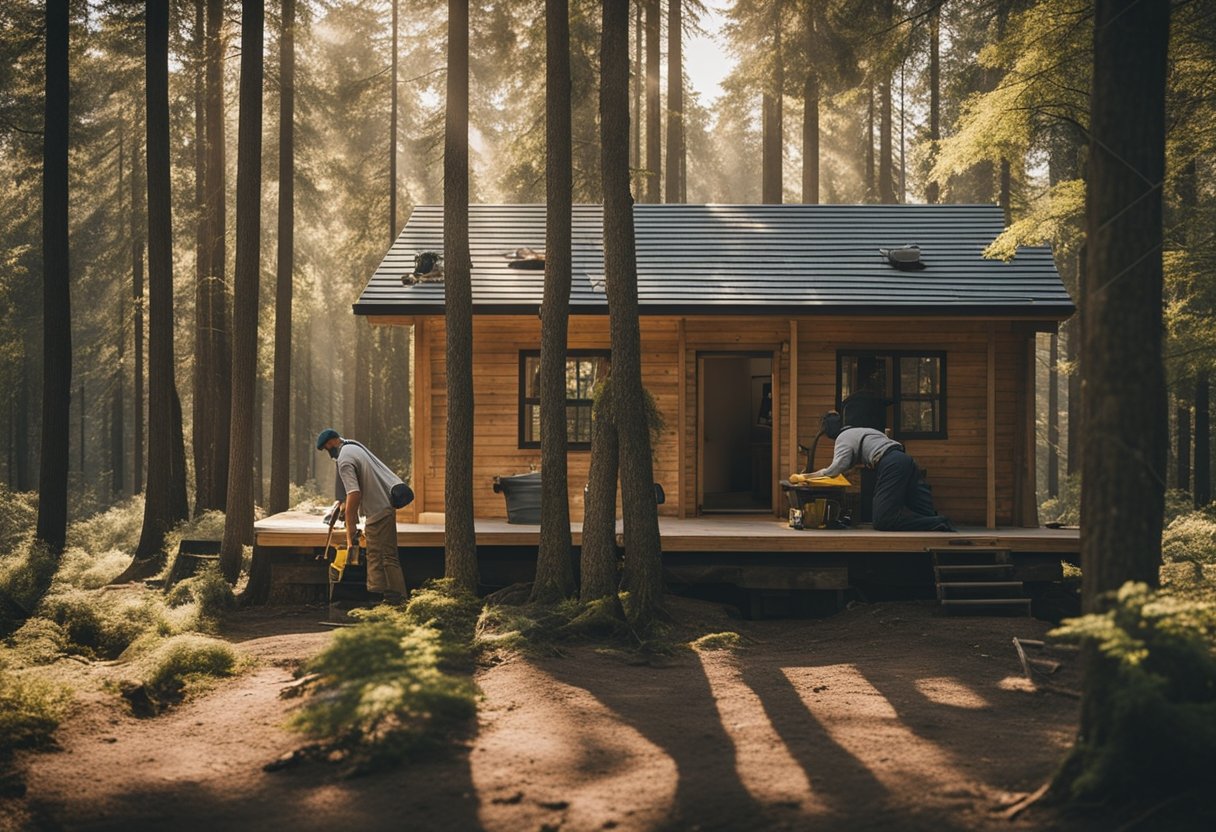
(654, 139)
(639, 35)
(1203, 441)
(1053, 418)
(1005, 196)
(675, 100)
(870, 190)
(137, 323)
(392, 134)
(643, 550)
(238, 525)
(772, 105)
(810, 112)
(932, 188)
(554, 570)
(21, 430)
(165, 500)
(886, 179)
(1124, 398)
(83, 423)
(460, 542)
(361, 391)
(213, 344)
(56, 288)
(280, 432)
(599, 575)
(1182, 414)
(1072, 351)
(117, 382)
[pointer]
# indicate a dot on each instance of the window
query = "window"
(584, 369)
(897, 389)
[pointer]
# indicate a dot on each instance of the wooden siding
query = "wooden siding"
(957, 465)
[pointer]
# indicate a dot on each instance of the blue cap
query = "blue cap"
(326, 435)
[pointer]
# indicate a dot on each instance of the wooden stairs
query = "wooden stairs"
(978, 582)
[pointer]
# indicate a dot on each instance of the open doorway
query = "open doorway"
(736, 395)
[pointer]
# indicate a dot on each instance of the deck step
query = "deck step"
(983, 584)
(970, 557)
(986, 602)
(956, 568)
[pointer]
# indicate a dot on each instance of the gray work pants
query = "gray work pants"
(383, 563)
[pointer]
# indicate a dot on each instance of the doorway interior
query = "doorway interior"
(736, 432)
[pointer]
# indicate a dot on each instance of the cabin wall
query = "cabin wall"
(957, 465)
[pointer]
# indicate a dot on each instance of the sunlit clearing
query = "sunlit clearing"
(568, 748)
(1020, 683)
(943, 690)
(764, 764)
(858, 717)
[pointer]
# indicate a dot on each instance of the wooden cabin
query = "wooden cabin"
(755, 319)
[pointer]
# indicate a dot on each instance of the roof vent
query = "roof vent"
(428, 268)
(905, 258)
(525, 258)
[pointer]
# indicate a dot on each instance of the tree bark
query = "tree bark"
(1124, 398)
(869, 149)
(392, 134)
(1072, 351)
(137, 311)
(1053, 418)
(1203, 441)
(886, 166)
(643, 550)
(1182, 458)
(554, 570)
(238, 525)
(639, 35)
(280, 433)
(772, 105)
(213, 342)
(654, 139)
(460, 542)
(810, 113)
(675, 101)
(56, 288)
(599, 575)
(165, 500)
(117, 382)
(932, 189)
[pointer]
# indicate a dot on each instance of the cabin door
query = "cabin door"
(735, 433)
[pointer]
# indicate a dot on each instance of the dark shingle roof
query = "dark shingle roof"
(749, 259)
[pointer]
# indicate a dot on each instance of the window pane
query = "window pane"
(920, 376)
(532, 377)
(531, 423)
(848, 376)
(578, 423)
(919, 416)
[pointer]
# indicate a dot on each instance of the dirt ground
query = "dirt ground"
(886, 716)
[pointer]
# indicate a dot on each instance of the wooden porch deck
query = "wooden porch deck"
(724, 533)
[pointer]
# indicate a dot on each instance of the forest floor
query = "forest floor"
(886, 716)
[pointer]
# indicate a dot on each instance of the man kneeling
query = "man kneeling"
(902, 499)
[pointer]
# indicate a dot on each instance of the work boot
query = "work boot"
(393, 599)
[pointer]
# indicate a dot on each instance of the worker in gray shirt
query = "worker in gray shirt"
(367, 487)
(902, 499)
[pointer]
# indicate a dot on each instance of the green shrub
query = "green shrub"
(25, 573)
(1190, 537)
(85, 570)
(30, 710)
(39, 641)
(1157, 701)
(1065, 508)
(181, 665)
(380, 690)
(527, 629)
(18, 520)
(208, 591)
(442, 606)
(717, 641)
(103, 624)
(118, 527)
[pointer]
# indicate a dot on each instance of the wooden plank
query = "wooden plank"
(991, 416)
(775, 434)
(700, 384)
(681, 416)
(421, 437)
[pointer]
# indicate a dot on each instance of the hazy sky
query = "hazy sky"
(706, 61)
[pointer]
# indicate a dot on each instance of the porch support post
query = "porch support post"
(421, 433)
(793, 395)
(991, 427)
(682, 431)
(1029, 515)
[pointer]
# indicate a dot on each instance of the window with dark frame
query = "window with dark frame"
(584, 369)
(913, 381)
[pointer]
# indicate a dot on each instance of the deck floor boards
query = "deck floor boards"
(728, 533)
